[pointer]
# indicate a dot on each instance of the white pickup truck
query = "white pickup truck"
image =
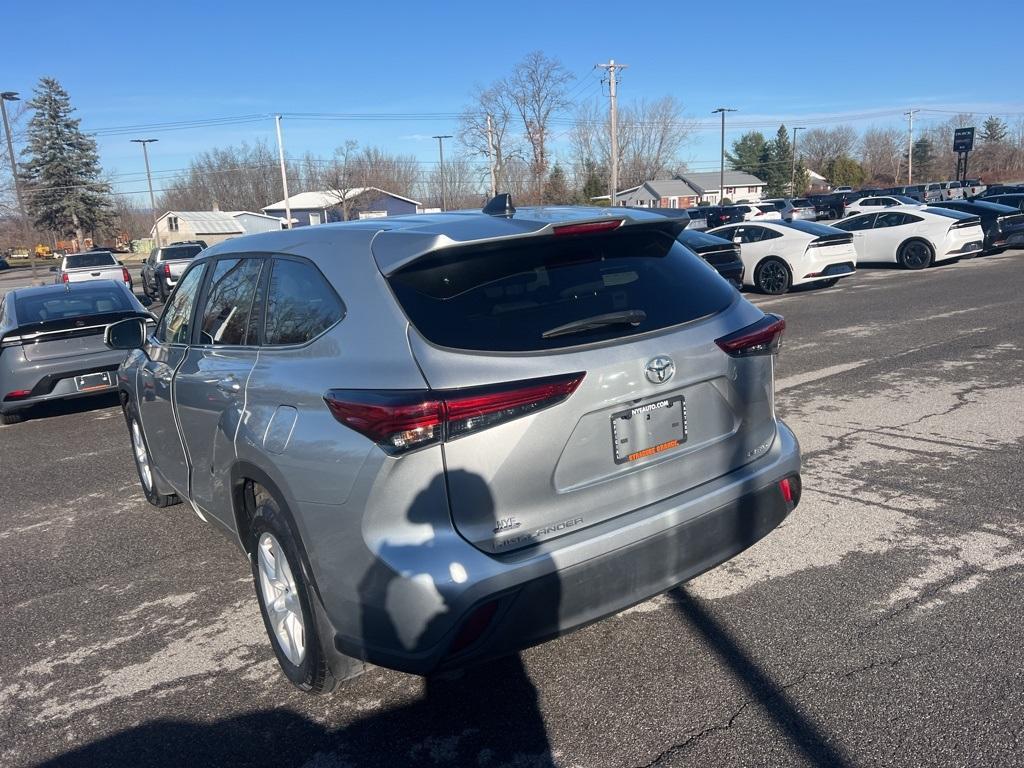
(91, 265)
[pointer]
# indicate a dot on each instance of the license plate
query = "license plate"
(89, 381)
(647, 430)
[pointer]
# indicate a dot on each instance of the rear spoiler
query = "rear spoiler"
(65, 328)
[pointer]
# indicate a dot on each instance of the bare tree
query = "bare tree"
(820, 147)
(883, 153)
(236, 178)
(464, 183)
(396, 173)
(472, 133)
(341, 178)
(537, 89)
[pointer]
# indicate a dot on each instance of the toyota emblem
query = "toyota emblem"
(660, 369)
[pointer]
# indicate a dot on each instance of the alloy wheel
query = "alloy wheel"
(281, 598)
(773, 277)
(141, 456)
(916, 255)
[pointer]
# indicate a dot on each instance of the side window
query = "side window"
(727, 232)
(890, 220)
(229, 303)
(300, 303)
(753, 234)
(857, 223)
(176, 324)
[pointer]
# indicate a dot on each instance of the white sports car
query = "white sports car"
(914, 238)
(780, 254)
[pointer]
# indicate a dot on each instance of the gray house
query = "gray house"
(320, 207)
(738, 186)
(660, 193)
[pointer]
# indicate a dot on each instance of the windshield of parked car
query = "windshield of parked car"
(174, 252)
(85, 299)
(94, 259)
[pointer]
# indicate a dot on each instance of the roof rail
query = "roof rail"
(500, 205)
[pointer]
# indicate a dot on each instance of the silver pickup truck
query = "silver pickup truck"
(160, 272)
(91, 265)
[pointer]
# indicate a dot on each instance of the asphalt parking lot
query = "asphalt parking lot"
(879, 625)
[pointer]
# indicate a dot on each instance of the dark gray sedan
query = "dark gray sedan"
(51, 343)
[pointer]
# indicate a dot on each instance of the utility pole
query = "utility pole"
(792, 179)
(613, 114)
(444, 187)
(490, 156)
(4, 98)
(149, 180)
(721, 169)
(284, 175)
(910, 144)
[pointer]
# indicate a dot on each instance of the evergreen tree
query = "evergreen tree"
(64, 191)
(777, 166)
(748, 153)
(593, 184)
(924, 158)
(801, 180)
(556, 189)
(993, 130)
(845, 172)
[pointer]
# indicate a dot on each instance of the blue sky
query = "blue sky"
(128, 64)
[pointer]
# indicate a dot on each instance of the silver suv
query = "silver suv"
(444, 438)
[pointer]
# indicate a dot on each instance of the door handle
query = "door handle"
(229, 385)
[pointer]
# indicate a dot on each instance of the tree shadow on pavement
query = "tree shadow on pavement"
(772, 698)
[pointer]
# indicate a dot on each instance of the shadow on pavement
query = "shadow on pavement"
(772, 698)
(488, 716)
(54, 408)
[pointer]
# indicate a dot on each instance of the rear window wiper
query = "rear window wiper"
(626, 317)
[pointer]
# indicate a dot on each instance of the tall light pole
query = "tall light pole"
(910, 144)
(792, 178)
(149, 180)
(4, 98)
(444, 188)
(284, 175)
(721, 170)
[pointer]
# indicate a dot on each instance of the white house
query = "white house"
(211, 226)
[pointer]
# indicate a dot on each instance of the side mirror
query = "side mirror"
(126, 334)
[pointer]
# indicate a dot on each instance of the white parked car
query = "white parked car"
(777, 255)
(759, 211)
(914, 238)
(869, 204)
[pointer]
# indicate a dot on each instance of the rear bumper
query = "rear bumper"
(529, 597)
(55, 380)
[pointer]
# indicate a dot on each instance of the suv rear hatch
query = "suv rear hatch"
(556, 425)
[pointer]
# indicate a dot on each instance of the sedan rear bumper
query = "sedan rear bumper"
(56, 379)
(530, 598)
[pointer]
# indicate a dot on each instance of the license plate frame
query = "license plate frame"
(648, 429)
(88, 382)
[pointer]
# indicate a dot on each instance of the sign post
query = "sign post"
(963, 143)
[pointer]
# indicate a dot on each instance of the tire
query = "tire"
(773, 277)
(286, 602)
(915, 254)
(144, 465)
(14, 417)
(161, 290)
(145, 286)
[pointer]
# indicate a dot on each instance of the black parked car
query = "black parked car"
(833, 206)
(1001, 190)
(722, 254)
(717, 215)
(1003, 224)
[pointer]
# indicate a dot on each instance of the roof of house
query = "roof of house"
(252, 213)
(208, 222)
(703, 182)
(661, 188)
(328, 198)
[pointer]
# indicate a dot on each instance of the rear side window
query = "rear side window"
(300, 303)
(856, 223)
(504, 297)
(229, 303)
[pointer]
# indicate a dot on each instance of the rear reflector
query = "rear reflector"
(401, 420)
(18, 394)
(588, 227)
(762, 338)
(787, 490)
(474, 627)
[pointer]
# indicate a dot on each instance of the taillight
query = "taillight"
(64, 277)
(125, 276)
(588, 227)
(18, 394)
(167, 270)
(401, 420)
(762, 338)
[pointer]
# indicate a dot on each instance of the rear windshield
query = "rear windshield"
(503, 297)
(180, 252)
(58, 305)
(97, 259)
(959, 215)
(802, 203)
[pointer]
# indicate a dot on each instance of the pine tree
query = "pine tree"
(64, 191)
(556, 189)
(777, 167)
(923, 157)
(593, 184)
(993, 130)
(748, 153)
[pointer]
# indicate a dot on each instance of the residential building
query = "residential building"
(660, 193)
(211, 226)
(320, 207)
(738, 186)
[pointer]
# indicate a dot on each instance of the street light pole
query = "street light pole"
(149, 180)
(444, 190)
(721, 170)
(284, 173)
(792, 178)
(4, 98)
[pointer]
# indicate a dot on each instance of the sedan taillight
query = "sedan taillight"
(762, 338)
(401, 420)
